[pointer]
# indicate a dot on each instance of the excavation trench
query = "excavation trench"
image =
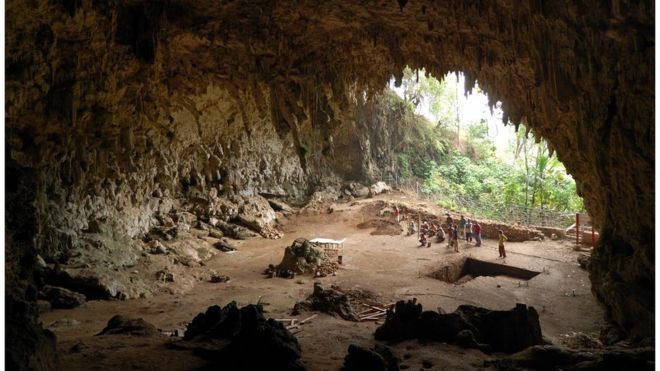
(466, 269)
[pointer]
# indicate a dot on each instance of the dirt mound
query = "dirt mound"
(469, 326)
(129, 326)
(302, 257)
(382, 227)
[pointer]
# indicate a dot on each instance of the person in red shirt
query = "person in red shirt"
(477, 233)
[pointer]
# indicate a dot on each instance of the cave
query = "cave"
(117, 113)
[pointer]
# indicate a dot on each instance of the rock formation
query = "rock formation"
(507, 331)
(116, 111)
(235, 338)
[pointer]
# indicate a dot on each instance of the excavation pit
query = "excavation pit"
(466, 269)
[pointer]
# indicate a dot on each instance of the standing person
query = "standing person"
(477, 233)
(450, 235)
(501, 240)
(450, 220)
(397, 212)
(468, 231)
(461, 226)
(455, 239)
(412, 228)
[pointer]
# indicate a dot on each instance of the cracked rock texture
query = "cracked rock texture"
(118, 110)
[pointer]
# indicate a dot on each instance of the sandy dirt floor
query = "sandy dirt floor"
(394, 267)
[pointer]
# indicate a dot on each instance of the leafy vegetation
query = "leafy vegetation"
(465, 170)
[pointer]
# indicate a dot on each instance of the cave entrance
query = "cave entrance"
(458, 148)
(467, 269)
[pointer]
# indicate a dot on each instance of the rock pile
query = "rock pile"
(469, 326)
(302, 257)
(224, 246)
(235, 338)
(328, 301)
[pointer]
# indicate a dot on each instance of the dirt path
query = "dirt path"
(392, 266)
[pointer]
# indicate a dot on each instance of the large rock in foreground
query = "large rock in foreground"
(243, 339)
(469, 326)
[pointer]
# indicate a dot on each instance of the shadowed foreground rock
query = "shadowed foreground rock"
(468, 326)
(242, 339)
(550, 357)
(380, 358)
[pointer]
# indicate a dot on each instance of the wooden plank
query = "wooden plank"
(308, 319)
(375, 315)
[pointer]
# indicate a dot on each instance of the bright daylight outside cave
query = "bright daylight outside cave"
(326, 185)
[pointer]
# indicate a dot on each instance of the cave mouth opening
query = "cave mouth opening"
(466, 269)
(458, 144)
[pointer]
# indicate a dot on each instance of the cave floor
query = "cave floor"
(393, 267)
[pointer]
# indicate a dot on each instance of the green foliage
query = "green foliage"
(420, 144)
(471, 178)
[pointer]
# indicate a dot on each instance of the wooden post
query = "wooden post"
(577, 229)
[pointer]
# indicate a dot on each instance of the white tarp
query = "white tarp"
(327, 240)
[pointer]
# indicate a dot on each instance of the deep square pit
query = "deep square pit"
(466, 269)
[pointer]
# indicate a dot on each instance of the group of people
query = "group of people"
(466, 229)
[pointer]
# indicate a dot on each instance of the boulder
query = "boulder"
(234, 231)
(129, 326)
(219, 278)
(278, 205)
(156, 247)
(165, 276)
(62, 298)
(378, 188)
(224, 246)
(255, 213)
(93, 285)
(184, 217)
(242, 339)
